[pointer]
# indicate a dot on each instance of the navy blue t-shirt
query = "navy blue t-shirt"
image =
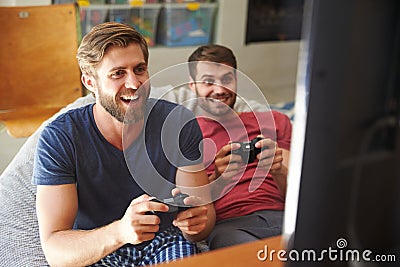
(71, 150)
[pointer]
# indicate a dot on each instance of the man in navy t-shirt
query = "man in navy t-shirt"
(98, 167)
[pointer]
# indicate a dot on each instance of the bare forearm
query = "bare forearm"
(280, 174)
(81, 248)
(195, 223)
(281, 180)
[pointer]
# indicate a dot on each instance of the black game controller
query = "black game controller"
(175, 204)
(247, 150)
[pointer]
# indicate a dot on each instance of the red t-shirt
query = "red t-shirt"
(246, 196)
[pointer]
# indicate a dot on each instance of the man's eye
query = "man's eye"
(117, 74)
(226, 80)
(140, 70)
(209, 82)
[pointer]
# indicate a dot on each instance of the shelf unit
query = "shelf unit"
(176, 24)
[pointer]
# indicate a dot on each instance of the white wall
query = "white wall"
(271, 65)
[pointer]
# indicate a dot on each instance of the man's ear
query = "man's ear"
(88, 82)
(192, 84)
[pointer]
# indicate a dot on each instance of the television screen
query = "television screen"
(343, 200)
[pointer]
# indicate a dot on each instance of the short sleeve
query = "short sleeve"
(190, 143)
(53, 158)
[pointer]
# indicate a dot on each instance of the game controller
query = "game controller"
(247, 150)
(175, 204)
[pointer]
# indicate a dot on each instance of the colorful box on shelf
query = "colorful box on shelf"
(81, 2)
(143, 17)
(132, 2)
(91, 16)
(187, 1)
(186, 24)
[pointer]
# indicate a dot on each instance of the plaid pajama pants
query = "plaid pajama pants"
(166, 246)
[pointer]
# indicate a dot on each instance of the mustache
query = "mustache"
(220, 95)
(132, 92)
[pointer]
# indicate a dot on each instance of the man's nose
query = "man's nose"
(220, 89)
(132, 81)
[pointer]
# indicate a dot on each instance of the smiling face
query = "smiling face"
(118, 77)
(215, 86)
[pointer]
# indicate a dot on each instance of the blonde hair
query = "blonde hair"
(95, 43)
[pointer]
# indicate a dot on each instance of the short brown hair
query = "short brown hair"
(94, 44)
(213, 53)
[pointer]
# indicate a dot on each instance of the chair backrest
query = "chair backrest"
(39, 71)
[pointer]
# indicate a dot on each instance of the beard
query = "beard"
(214, 107)
(116, 108)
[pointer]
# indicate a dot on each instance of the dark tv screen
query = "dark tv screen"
(349, 187)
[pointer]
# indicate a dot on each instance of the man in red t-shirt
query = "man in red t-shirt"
(249, 197)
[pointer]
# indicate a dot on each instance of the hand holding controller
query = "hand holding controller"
(247, 150)
(175, 204)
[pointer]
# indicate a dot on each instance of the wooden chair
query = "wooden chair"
(39, 71)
